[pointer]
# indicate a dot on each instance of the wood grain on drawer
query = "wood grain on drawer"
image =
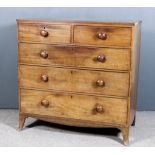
(74, 106)
(118, 59)
(109, 83)
(35, 32)
(103, 36)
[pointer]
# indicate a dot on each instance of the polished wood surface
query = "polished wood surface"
(112, 58)
(74, 106)
(78, 73)
(44, 33)
(76, 22)
(102, 36)
(108, 83)
(134, 72)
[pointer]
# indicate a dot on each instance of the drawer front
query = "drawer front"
(106, 36)
(101, 58)
(101, 109)
(44, 33)
(108, 83)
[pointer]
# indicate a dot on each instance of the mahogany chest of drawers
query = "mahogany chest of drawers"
(78, 73)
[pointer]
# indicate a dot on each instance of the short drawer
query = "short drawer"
(100, 109)
(44, 33)
(103, 36)
(100, 58)
(108, 83)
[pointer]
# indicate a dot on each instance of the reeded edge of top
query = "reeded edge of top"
(106, 23)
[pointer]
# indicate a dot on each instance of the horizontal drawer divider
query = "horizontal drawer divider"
(74, 92)
(77, 68)
(75, 45)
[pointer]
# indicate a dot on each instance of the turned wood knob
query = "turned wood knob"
(45, 103)
(44, 78)
(44, 33)
(44, 54)
(99, 108)
(100, 83)
(100, 58)
(102, 35)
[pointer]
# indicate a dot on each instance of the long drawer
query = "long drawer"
(103, 36)
(100, 58)
(44, 33)
(108, 83)
(101, 109)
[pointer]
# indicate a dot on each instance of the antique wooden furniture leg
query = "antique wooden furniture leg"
(134, 121)
(22, 119)
(125, 134)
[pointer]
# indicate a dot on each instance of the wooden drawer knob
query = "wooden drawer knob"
(44, 33)
(100, 58)
(100, 83)
(102, 35)
(45, 103)
(99, 108)
(44, 54)
(44, 78)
